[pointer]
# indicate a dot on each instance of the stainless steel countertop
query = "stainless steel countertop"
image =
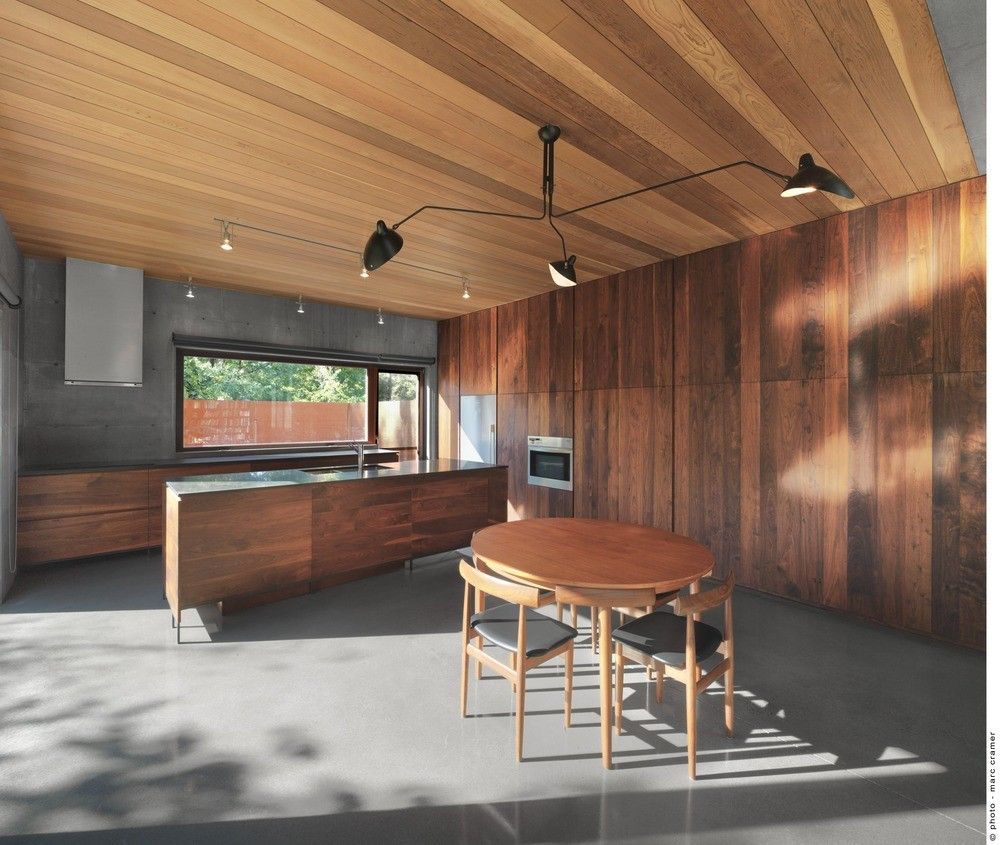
(230, 481)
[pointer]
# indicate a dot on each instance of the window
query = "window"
(272, 399)
(399, 413)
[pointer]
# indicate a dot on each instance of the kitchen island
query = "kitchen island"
(247, 538)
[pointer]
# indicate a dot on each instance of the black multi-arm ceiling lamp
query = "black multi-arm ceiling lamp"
(386, 242)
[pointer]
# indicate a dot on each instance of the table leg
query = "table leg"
(605, 664)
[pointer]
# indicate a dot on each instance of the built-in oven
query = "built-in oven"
(550, 462)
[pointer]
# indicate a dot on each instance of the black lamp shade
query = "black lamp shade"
(382, 246)
(563, 272)
(811, 177)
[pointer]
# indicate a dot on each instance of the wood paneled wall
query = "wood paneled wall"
(830, 411)
(810, 403)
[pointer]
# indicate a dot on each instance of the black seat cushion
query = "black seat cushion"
(541, 634)
(663, 637)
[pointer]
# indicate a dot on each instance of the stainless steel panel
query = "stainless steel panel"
(103, 324)
(478, 428)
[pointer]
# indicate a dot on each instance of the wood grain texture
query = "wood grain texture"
(857, 482)
(535, 344)
(83, 535)
(124, 134)
(958, 564)
(449, 357)
(360, 525)
(521, 415)
(478, 359)
(74, 494)
(592, 553)
(242, 542)
(623, 455)
(623, 332)
(249, 547)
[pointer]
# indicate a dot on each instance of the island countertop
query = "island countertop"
(231, 482)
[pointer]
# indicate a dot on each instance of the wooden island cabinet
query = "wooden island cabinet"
(248, 538)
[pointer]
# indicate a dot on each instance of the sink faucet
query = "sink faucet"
(359, 447)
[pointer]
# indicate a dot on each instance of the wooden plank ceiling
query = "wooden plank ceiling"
(127, 126)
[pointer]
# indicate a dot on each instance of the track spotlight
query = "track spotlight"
(364, 270)
(563, 272)
(811, 177)
(190, 290)
(381, 319)
(301, 309)
(465, 288)
(382, 246)
(227, 237)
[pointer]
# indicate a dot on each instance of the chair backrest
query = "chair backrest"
(698, 602)
(500, 588)
(605, 598)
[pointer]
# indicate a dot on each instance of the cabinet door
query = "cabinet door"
(358, 525)
(77, 493)
(446, 510)
(479, 352)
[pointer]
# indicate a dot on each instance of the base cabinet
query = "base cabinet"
(249, 547)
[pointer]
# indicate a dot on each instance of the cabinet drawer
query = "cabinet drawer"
(77, 494)
(63, 538)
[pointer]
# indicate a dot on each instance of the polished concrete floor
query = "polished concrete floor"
(334, 718)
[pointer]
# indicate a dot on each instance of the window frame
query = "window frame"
(420, 373)
(371, 377)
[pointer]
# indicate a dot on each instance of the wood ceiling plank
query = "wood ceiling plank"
(909, 34)
(688, 36)
(581, 76)
(127, 125)
(444, 37)
(485, 228)
(631, 34)
(749, 43)
(703, 146)
(855, 36)
(792, 24)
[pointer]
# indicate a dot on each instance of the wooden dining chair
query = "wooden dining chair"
(530, 637)
(675, 644)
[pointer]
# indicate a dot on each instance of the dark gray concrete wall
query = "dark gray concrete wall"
(11, 269)
(62, 424)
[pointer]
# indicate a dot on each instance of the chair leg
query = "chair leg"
(691, 688)
(464, 696)
(568, 655)
(730, 714)
(593, 630)
(480, 607)
(572, 615)
(519, 715)
(619, 686)
(659, 685)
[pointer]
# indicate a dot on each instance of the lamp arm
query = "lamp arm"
(638, 191)
(508, 214)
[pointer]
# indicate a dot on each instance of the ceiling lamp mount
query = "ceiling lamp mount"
(386, 242)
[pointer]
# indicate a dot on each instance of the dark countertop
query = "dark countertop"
(207, 460)
(229, 481)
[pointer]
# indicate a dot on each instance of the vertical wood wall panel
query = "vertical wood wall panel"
(478, 358)
(449, 386)
(826, 433)
(623, 326)
(535, 344)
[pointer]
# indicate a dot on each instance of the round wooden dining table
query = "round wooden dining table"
(593, 554)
